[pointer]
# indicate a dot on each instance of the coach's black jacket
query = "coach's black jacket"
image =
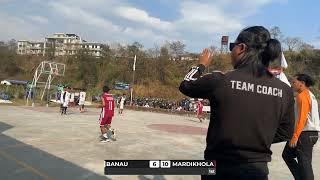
(248, 114)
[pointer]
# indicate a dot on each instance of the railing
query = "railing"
(167, 111)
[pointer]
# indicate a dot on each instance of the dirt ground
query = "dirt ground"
(39, 143)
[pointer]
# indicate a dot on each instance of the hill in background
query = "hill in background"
(156, 75)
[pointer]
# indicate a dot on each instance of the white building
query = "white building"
(94, 49)
(60, 44)
(30, 47)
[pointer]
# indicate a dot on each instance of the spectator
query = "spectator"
(306, 131)
(82, 99)
(122, 102)
(65, 100)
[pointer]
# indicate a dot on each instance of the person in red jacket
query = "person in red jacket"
(107, 113)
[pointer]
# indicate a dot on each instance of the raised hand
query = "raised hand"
(206, 57)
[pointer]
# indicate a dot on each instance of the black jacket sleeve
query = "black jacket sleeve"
(286, 127)
(197, 86)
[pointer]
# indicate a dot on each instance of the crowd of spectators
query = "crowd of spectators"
(185, 104)
(182, 105)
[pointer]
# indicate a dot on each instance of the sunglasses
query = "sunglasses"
(232, 45)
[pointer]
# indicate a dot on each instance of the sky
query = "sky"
(197, 23)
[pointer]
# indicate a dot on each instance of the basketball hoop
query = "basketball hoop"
(47, 69)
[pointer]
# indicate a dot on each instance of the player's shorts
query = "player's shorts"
(105, 120)
(200, 113)
(81, 102)
(65, 104)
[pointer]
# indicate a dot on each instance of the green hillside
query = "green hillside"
(155, 75)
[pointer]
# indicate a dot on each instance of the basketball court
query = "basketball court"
(39, 143)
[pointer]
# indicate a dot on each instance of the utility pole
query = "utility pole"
(131, 89)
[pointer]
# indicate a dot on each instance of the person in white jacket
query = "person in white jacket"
(82, 98)
(298, 151)
(65, 100)
(122, 102)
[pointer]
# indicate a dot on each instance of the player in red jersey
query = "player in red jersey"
(200, 115)
(107, 112)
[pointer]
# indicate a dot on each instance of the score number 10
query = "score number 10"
(159, 164)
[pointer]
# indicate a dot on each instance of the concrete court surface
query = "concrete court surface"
(39, 143)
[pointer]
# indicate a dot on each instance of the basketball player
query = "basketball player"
(107, 114)
(82, 98)
(200, 115)
(122, 101)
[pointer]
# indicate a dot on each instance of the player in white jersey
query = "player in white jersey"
(82, 98)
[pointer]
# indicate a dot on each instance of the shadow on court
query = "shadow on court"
(22, 161)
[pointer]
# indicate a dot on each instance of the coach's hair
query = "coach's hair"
(261, 49)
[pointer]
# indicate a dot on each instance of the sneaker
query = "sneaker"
(113, 131)
(104, 140)
(105, 136)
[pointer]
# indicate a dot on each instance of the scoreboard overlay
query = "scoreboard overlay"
(160, 167)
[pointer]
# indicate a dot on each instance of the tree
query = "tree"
(50, 52)
(137, 45)
(12, 45)
(154, 52)
(276, 33)
(292, 43)
(106, 51)
(134, 49)
(11, 68)
(163, 60)
(305, 47)
(119, 50)
(214, 49)
(177, 48)
(87, 68)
